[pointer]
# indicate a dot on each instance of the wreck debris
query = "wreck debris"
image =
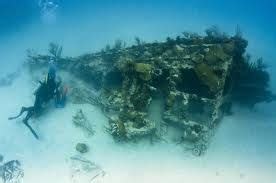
(82, 148)
(85, 171)
(83, 96)
(80, 120)
(117, 128)
(11, 172)
(199, 77)
(130, 130)
(199, 149)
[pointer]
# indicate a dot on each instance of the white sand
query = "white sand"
(243, 149)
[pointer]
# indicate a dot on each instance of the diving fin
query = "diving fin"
(23, 109)
(31, 129)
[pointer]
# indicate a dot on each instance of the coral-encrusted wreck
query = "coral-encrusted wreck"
(191, 74)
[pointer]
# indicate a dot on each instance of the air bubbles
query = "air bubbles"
(48, 10)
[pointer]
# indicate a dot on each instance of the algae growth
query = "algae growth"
(197, 77)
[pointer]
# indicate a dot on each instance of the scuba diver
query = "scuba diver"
(45, 92)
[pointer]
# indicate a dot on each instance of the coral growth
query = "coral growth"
(208, 77)
(11, 172)
(199, 78)
(117, 129)
(144, 71)
(251, 82)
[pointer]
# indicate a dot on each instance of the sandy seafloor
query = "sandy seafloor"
(243, 149)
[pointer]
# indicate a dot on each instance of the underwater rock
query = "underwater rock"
(80, 120)
(1, 158)
(11, 172)
(82, 148)
(83, 170)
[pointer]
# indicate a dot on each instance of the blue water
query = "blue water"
(82, 26)
(89, 25)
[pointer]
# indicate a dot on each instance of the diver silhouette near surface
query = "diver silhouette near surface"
(48, 89)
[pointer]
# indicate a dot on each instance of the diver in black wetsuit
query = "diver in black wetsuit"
(45, 92)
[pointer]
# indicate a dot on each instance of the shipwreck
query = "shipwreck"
(198, 78)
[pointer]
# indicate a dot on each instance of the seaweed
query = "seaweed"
(170, 42)
(140, 45)
(215, 35)
(238, 32)
(55, 51)
(139, 42)
(107, 48)
(119, 44)
(250, 82)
